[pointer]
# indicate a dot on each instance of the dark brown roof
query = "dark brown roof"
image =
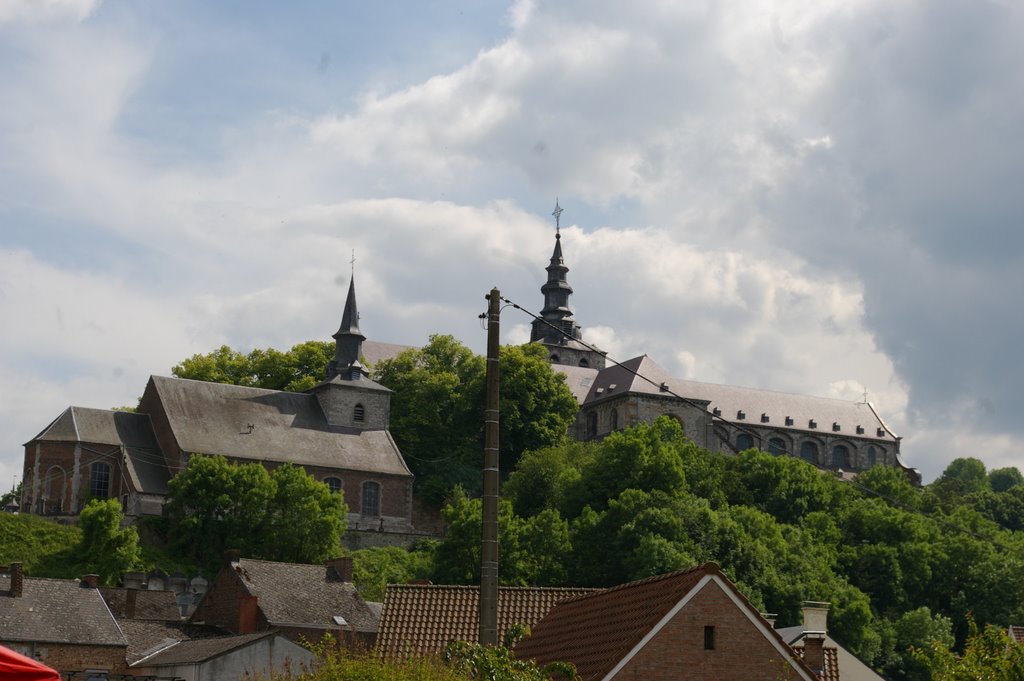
(292, 595)
(1017, 633)
(146, 638)
(56, 611)
(596, 632)
(211, 418)
(200, 650)
(424, 618)
(149, 605)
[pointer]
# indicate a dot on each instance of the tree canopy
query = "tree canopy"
(296, 370)
(286, 515)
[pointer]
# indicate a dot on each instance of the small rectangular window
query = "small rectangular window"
(709, 638)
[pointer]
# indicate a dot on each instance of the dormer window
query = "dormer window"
(789, 420)
(812, 424)
(359, 413)
(860, 430)
(765, 418)
(835, 427)
(740, 415)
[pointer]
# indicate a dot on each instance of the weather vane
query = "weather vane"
(352, 262)
(557, 212)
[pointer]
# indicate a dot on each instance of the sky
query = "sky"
(821, 198)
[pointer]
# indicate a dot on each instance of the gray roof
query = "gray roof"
(752, 401)
(212, 418)
(290, 594)
(374, 352)
(579, 379)
(199, 650)
(132, 432)
(56, 611)
(149, 605)
(146, 638)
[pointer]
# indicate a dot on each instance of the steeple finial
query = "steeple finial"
(557, 212)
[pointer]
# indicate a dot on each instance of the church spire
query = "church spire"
(348, 341)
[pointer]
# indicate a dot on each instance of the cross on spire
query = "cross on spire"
(352, 262)
(557, 212)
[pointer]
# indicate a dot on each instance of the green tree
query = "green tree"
(107, 548)
(1002, 479)
(296, 370)
(214, 505)
(987, 654)
(376, 567)
(963, 476)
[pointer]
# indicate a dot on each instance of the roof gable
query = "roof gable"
(423, 619)
(290, 594)
(57, 611)
(603, 632)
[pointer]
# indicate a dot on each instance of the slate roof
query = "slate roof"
(149, 605)
(422, 619)
(56, 611)
(374, 352)
(754, 402)
(129, 431)
(199, 650)
(146, 638)
(597, 631)
(579, 379)
(290, 594)
(289, 427)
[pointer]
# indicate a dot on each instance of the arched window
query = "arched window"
(592, 424)
(554, 359)
(584, 362)
(615, 419)
(359, 413)
(333, 483)
(809, 452)
(99, 481)
(371, 499)
(776, 446)
(744, 442)
(841, 456)
(872, 456)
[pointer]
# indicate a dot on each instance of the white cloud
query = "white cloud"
(45, 11)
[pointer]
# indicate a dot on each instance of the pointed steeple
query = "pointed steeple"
(348, 341)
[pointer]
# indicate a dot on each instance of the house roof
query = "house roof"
(290, 594)
(146, 638)
(840, 663)
(424, 618)
(57, 611)
(192, 651)
(149, 605)
(1016, 634)
(752, 401)
(600, 632)
(375, 352)
(212, 418)
(131, 432)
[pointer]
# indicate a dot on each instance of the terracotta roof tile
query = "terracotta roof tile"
(424, 618)
(831, 671)
(1017, 633)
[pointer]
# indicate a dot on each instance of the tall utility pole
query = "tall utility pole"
(489, 530)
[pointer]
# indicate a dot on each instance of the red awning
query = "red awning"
(16, 667)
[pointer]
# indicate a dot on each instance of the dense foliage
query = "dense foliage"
(286, 515)
(108, 549)
(438, 404)
(295, 370)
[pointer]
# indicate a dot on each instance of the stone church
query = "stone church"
(337, 431)
(841, 436)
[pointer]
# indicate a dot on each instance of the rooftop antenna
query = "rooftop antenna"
(557, 212)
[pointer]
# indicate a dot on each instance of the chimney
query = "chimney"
(815, 616)
(814, 652)
(248, 610)
(339, 569)
(90, 581)
(17, 580)
(231, 557)
(130, 597)
(770, 617)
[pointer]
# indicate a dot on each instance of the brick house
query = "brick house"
(691, 624)
(307, 601)
(63, 623)
(422, 619)
(337, 431)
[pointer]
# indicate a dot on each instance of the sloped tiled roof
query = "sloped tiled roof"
(374, 352)
(149, 605)
(424, 618)
(132, 432)
(192, 651)
(211, 418)
(290, 594)
(146, 638)
(1017, 633)
(596, 632)
(754, 402)
(56, 611)
(831, 670)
